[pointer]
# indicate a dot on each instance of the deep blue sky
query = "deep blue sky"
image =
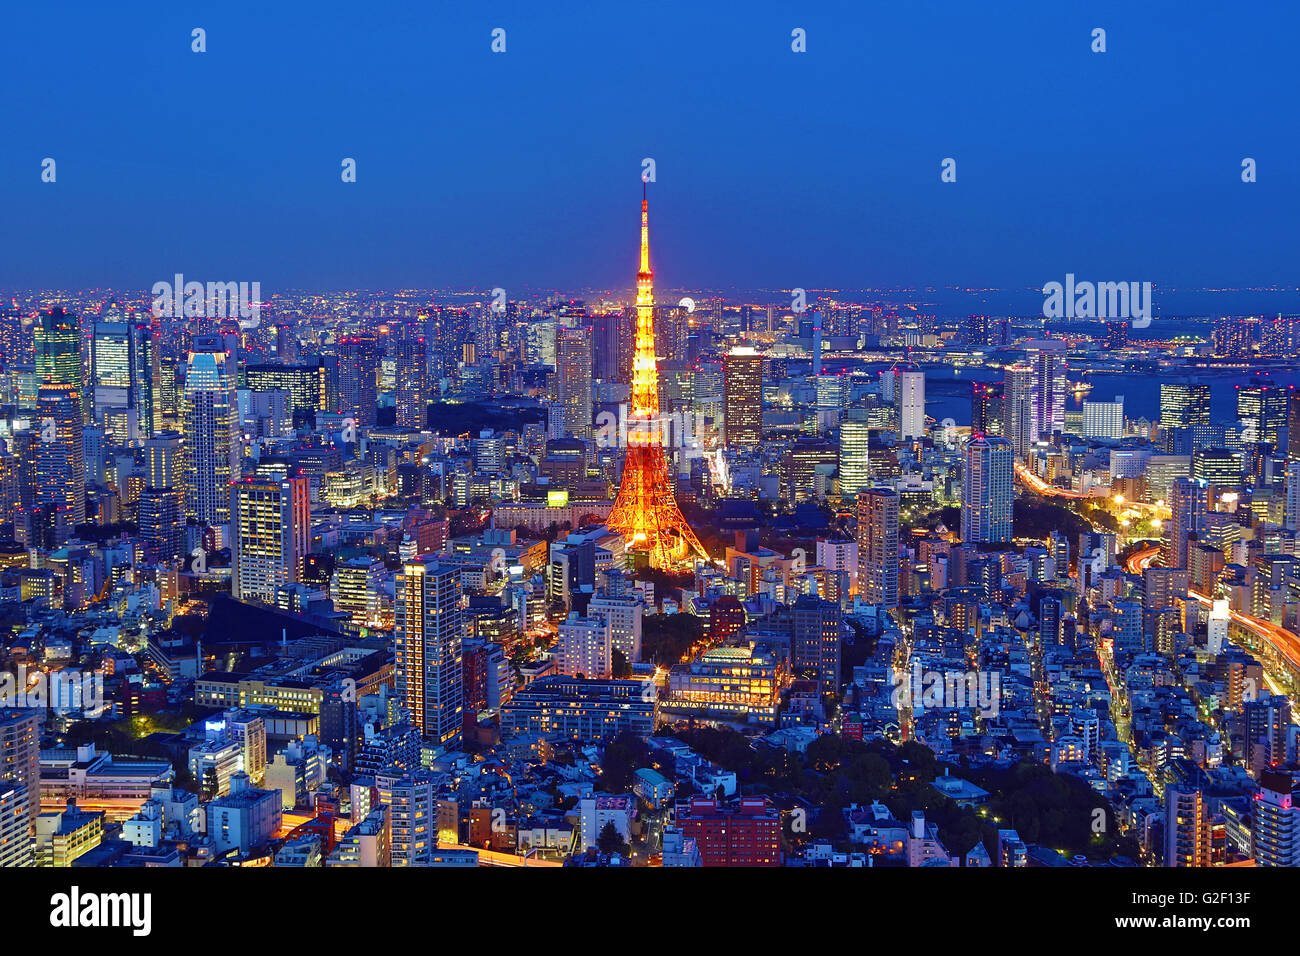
(774, 168)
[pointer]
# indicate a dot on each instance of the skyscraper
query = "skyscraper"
(878, 546)
(1262, 412)
(270, 535)
(412, 379)
(358, 371)
(20, 784)
(212, 447)
(743, 396)
(60, 454)
(986, 408)
(1050, 387)
(988, 491)
(430, 630)
(815, 640)
(573, 368)
(1185, 406)
(57, 341)
(855, 469)
(1020, 412)
(911, 404)
(1187, 505)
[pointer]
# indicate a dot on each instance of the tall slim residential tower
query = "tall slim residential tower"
(1187, 506)
(412, 374)
(646, 511)
(743, 397)
(358, 373)
(988, 490)
(212, 448)
(20, 783)
(1019, 409)
(878, 563)
(573, 368)
(60, 455)
(270, 535)
(911, 404)
(430, 631)
(1050, 387)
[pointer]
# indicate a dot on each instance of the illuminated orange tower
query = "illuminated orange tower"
(646, 511)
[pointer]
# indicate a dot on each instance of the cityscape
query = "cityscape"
(645, 569)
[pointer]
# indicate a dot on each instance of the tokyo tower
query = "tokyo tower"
(646, 511)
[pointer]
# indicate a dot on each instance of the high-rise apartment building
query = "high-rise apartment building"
(988, 491)
(878, 546)
(430, 630)
(270, 535)
(743, 397)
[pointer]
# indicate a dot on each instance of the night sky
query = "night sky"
(774, 169)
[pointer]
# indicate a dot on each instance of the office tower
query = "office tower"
(573, 379)
(1187, 828)
(1262, 412)
(112, 368)
(1275, 837)
(57, 343)
(1218, 466)
(815, 640)
(1050, 387)
(646, 511)
(430, 628)
(855, 468)
(607, 333)
(412, 802)
(743, 395)
(310, 387)
(988, 490)
(60, 454)
(878, 546)
(270, 535)
(164, 459)
(20, 783)
(412, 379)
(212, 447)
(146, 379)
(1103, 419)
(1020, 414)
(1186, 405)
(986, 408)
(358, 372)
(911, 404)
